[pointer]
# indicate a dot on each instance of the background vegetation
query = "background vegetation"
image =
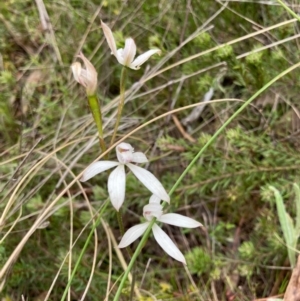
(47, 137)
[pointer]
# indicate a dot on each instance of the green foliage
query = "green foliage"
(222, 232)
(199, 261)
(255, 58)
(2, 254)
(224, 52)
(7, 78)
(203, 40)
(247, 250)
(204, 83)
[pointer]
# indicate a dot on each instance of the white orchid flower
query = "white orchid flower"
(86, 77)
(126, 56)
(154, 209)
(117, 179)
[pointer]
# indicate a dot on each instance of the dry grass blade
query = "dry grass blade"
(48, 28)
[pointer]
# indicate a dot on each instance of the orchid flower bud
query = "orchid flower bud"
(87, 76)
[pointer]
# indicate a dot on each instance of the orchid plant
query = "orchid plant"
(127, 157)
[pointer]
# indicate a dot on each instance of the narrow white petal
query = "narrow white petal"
(116, 186)
(97, 167)
(132, 234)
(129, 51)
(150, 181)
(139, 157)
(109, 38)
(141, 59)
(167, 244)
(179, 220)
(154, 199)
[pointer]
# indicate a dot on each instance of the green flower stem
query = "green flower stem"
(121, 226)
(289, 10)
(122, 230)
(96, 112)
(120, 222)
(84, 249)
(121, 103)
(196, 158)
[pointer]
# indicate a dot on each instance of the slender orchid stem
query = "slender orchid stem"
(130, 253)
(196, 158)
(96, 112)
(119, 116)
(120, 222)
(122, 230)
(121, 103)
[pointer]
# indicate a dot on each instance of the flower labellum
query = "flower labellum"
(87, 76)
(126, 56)
(117, 179)
(154, 209)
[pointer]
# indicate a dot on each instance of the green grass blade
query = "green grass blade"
(287, 226)
(294, 14)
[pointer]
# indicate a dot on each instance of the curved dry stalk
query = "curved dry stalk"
(72, 244)
(107, 231)
(65, 258)
(35, 168)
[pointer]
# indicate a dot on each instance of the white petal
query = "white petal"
(124, 152)
(76, 69)
(109, 38)
(154, 199)
(179, 220)
(132, 234)
(139, 157)
(150, 181)
(129, 51)
(97, 167)
(89, 75)
(167, 244)
(120, 56)
(116, 186)
(141, 59)
(152, 210)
